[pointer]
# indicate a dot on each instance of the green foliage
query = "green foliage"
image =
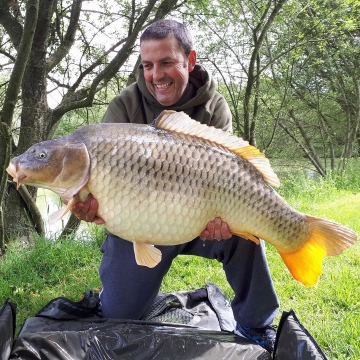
(307, 186)
(307, 101)
(79, 117)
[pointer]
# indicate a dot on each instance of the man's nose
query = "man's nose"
(158, 72)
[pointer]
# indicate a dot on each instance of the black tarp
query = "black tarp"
(117, 339)
(66, 330)
(293, 341)
(7, 328)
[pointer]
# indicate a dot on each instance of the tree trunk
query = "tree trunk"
(253, 80)
(19, 218)
(17, 74)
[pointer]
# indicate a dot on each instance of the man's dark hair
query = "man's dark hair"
(166, 27)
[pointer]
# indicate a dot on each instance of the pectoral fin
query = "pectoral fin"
(146, 254)
(57, 215)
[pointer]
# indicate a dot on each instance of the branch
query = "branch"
(303, 148)
(132, 17)
(68, 39)
(21, 61)
(10, 24)
(58, 83)
(252, 77)
(314, 157)
(132, 75)
(12, 58)
(33, 209)
(94, 65)
(110, 70)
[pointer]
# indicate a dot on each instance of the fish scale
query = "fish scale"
(169, 195)
(200, 188)
(161, 184)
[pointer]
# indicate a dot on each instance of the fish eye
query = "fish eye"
(42, 155)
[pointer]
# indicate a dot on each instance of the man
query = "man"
(169, 78)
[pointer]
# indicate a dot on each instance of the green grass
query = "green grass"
(330, 310)
(34, 275)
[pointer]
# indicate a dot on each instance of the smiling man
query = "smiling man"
(169, 78)
(166, 69)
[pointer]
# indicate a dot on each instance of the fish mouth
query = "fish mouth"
(17, 175)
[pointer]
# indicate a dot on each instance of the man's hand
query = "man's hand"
(87, 210)
(216, 230)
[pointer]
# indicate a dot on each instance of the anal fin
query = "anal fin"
(146, 254)
(248, 236)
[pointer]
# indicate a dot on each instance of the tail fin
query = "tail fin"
(326, 238)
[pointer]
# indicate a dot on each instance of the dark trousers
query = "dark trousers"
(129, 289)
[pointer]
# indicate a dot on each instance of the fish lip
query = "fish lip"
(11, 170)
(17, 176)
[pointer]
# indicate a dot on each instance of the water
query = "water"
(48, 203)
(285, 169)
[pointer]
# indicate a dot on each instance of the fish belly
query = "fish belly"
(164, 192)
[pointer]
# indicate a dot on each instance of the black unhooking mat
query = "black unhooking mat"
(183, 325)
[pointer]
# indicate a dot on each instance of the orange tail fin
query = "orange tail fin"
(326, 238)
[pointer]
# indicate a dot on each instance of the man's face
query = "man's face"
(166, 69)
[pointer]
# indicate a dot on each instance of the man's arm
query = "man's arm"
(221, 116)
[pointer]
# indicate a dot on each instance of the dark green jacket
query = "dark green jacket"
(200, 101)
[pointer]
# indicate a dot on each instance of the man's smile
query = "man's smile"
(162, 86)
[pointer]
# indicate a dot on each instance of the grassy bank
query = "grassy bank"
(331, 310)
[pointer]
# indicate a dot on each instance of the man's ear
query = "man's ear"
(192, 60)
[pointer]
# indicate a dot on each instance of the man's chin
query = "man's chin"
(165, 101)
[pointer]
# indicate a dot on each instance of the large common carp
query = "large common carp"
(161, 184)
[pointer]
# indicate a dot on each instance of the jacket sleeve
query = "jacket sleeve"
(221, 115)
(116, 112)
(125, 107)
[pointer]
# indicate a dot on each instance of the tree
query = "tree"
(318, 68)
(57, 49)
(239, 29)
(289, 71)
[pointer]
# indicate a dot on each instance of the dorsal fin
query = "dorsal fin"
(182, 123)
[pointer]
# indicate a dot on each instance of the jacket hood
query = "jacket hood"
(200, 89)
